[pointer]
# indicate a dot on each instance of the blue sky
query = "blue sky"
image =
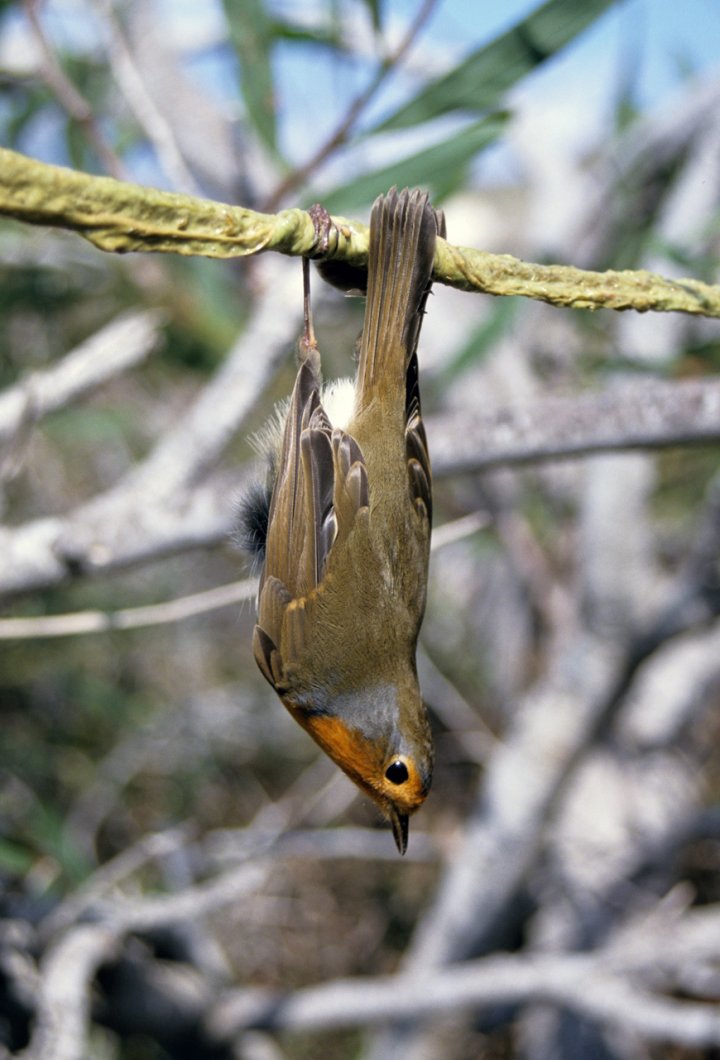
(663, 35)
(657, 41)
(647, 45)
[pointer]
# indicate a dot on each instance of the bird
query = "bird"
(343, 526)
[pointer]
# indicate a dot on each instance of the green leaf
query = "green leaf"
(482, 79)
(326, 36)
(375, 9)
(15, 859)
(45, 829)
(27, 102)
(440, 168)
(251, 32)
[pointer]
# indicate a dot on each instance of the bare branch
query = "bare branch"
(126, 217)
(340, 135)
(64, 995)
(156, 127)
(120, 345)
(83, 622)
(134, 528)
(619, 985)
(554, 728)
(611, 987)
(128, 618)
(598, 986)
(69, 97)
(142, 517)
(638, 414)
(157, 509)
(63, 999)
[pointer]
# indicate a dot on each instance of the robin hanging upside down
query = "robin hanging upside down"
(345, 534)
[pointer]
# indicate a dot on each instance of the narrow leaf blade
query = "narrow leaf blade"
(440, 168)
(251, 32)
(480, 82)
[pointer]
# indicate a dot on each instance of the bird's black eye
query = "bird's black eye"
(397, 772)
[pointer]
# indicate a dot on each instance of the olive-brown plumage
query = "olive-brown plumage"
(342, 591)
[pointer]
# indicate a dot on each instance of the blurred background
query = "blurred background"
(570, 654)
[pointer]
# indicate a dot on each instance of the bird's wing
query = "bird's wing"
(302, 493)
(320, 488)
(416, 448)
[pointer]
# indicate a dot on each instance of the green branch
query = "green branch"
(120, 217)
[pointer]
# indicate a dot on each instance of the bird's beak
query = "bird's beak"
(399, 824)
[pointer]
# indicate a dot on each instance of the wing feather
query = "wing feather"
(320, 488)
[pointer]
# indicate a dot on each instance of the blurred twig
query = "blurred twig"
(639, 414)
(339, 136)
(70, 98)
(63, 998)
(78, 622)
(160, 507)
(82, 622)
(155, 125)
(466, 725)
(120, 345)
(621, 987)
(220, 852)
(169, 501)
(615, 987)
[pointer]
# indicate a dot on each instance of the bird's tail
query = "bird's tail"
(403, 229)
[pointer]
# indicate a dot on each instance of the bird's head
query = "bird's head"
(381, 739)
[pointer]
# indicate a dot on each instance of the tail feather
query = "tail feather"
(403, 229)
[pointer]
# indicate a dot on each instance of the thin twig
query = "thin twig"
(343, 130)
(70, 98)
(84, 622)
(155, 125)
(458, 529)
(107, 877)
(171, 502)
(467, 726)
(74, 623)
(119, 345)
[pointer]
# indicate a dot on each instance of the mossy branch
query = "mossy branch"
(120, 217)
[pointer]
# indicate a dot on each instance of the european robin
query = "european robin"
(346, 534)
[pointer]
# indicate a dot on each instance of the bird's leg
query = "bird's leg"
(322, 223)
(351, 279)
(307, 346)
(308, 340)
